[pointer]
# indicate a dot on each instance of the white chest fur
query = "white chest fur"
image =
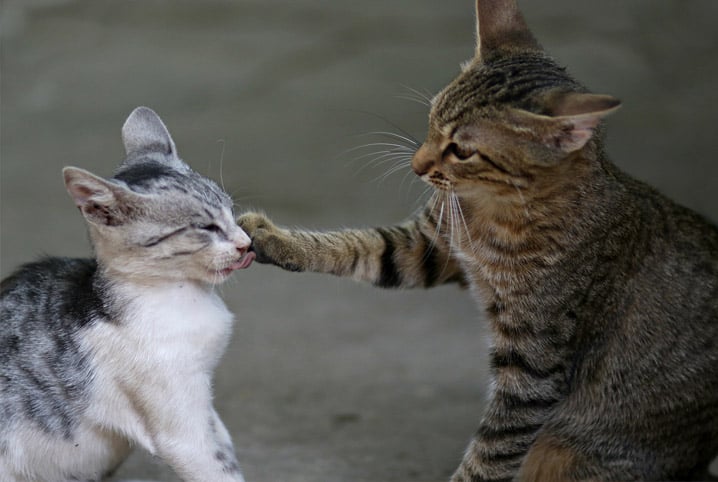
(181, 321)
(161, 354)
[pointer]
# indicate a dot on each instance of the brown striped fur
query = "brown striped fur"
(601, 293)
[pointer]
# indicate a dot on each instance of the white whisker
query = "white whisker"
(426, 97)
(414, 99)
(378, 144)
(402, 164)
(463, 220)
(221, 164)
(413, 143)
(381, 152)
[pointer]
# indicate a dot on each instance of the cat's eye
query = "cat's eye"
(212, 228)
(459, 152)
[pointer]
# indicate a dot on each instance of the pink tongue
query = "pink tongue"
(243, 263)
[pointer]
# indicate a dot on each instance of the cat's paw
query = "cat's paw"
(252, 222)
(271, 244)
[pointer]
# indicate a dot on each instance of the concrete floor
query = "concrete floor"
(326, 380)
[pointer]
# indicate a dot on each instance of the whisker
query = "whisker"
(392, 170)
(412, 142)
(420, 95)
(386, 154)
(451, 224)
(422, 201)
(383, 159)
(403, 179)
(437, 198)
(221, 163)
(463, 220)
(414, 99)
(394, 125)
(378, 144)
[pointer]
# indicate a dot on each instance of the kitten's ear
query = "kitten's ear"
(500, 25)
(100, 201)
(571, 120)
(144, 133)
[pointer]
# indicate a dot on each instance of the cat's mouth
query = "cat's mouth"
(242, 263)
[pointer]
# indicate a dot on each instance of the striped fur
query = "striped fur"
(601, 293)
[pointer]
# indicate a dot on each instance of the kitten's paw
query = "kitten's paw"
(271, 245)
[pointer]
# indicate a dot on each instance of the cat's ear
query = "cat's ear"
(100, 201)
(571, 118)
(144, 133)
(500, 26)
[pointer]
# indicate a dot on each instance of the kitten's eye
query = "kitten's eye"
(212, 228)
(461, 153)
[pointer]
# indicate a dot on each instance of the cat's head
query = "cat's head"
(512, 115)
(157, 219)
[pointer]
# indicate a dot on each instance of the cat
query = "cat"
(601, 294)
(98, 355)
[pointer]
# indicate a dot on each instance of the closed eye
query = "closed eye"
(212, 228)
(459, 152)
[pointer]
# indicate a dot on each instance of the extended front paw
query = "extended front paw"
(272, 245)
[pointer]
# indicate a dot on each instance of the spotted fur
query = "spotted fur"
(100, 354)
(602, 294)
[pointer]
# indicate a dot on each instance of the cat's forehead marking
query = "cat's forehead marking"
(154, 178)
(507, 81)
(142, 174)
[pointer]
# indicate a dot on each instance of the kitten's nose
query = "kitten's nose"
(424, 159)
(242, 242)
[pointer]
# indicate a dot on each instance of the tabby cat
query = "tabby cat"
(602, 295)
(98, 355)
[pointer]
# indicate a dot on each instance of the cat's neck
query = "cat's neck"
(125, 292)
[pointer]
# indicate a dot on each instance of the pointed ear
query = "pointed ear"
(572, 118)
(500, 25)
(101, 202)
(145, 133)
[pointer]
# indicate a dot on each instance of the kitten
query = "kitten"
(601, 294)
(98, 355)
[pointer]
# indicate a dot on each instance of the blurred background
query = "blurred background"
(326, 379)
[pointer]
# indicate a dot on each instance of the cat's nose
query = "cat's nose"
(423, 159)
(242, 242)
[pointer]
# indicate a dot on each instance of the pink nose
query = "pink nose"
(242, 247)
(242, 242)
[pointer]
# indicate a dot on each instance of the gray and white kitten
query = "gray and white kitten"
(98, 355)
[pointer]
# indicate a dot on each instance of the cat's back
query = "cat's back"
(678, 243)
(43, 307)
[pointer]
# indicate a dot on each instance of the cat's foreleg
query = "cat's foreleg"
(189, 436)
(404, 256)
(225, 452)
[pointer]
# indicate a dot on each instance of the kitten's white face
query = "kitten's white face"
(157, 219)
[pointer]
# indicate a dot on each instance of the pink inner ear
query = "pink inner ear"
(81, 193)
(576, 139)
(579, 114)
(578, 131)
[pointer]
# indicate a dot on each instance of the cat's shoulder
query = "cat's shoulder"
(65, 289)
(50, 270)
